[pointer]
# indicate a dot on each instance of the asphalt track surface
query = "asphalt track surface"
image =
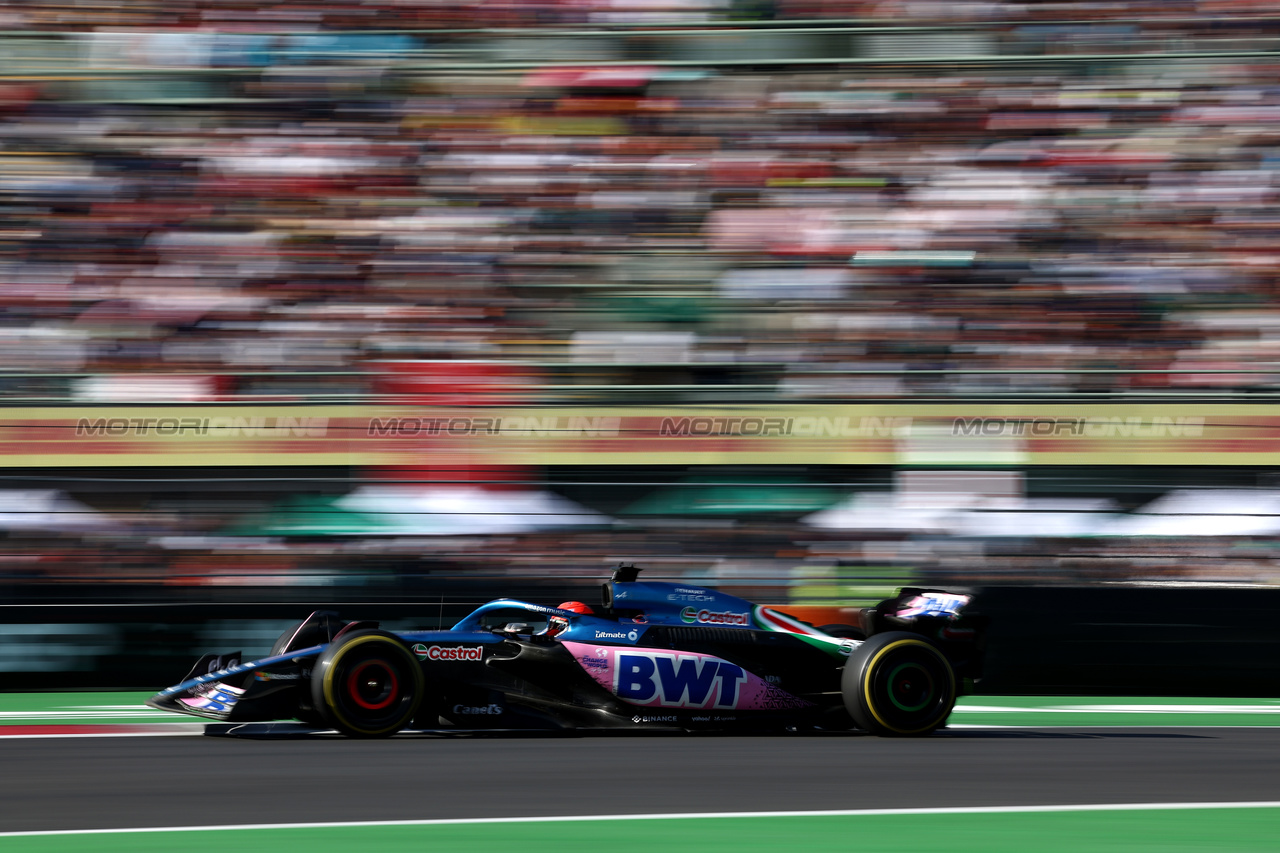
(92, 783)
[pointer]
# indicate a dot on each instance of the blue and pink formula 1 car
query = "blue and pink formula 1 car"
(651, 655)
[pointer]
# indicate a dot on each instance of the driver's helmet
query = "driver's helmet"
(559, 624)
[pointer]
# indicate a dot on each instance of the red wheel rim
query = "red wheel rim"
(384, 681)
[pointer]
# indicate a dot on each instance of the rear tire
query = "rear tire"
(367, 684)
(899, 685)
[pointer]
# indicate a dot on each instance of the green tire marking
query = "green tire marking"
(894, 699)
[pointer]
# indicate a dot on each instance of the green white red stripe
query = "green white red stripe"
(772, 620)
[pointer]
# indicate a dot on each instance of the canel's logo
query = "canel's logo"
(677, 681)
(448, 652)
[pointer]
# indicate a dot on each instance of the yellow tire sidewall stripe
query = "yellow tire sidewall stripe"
(866, 682)
(332, 667)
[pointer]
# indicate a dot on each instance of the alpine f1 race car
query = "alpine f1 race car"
(651, 655)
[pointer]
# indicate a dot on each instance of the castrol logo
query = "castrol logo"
(710, 617)
(425, 652)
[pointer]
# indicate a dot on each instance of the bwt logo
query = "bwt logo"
(1113, 427)
(677, 681)
(216, 427)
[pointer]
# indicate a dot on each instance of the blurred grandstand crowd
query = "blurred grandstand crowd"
(204, 201)
(832, 231)
(424, 14)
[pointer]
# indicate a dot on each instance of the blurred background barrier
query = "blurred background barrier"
(968, 432)
(145, 647)
(1131, 641)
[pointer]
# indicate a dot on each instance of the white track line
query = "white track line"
(1096, 807)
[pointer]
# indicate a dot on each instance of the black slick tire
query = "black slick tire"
(898, 685)
(367, 684)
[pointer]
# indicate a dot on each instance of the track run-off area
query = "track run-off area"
(100, 771)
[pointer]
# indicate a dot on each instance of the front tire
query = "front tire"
(367, 684)
(898, 684)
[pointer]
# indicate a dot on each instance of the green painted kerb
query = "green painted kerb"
(1114, 711)
(28, 709)
(1137, 831)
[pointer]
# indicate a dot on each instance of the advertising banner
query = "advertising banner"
(926, 434)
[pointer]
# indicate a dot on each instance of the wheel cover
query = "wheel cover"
(373, 685)
(911, 686)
